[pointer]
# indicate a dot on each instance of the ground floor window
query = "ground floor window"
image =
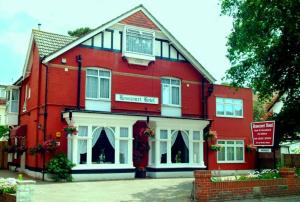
(100, 145)
(176, 147)
(232, 151)
(180, 147)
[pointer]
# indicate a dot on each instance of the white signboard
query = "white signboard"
(136, 98)
(265, 150)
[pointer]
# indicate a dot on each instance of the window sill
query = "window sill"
(234, 117)
(226, 162)
(138, 59)
(99, 99)
(169, 105)
(178, 165)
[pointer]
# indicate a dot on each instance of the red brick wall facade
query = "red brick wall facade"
(206, 190)
(139, 19)
(228, 128)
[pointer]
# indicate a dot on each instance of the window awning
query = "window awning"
(19, 131)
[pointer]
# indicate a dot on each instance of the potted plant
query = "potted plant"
(149, 132)
(287, 172)
(215, 147)
(212, 134)
(250, 147)
(70, 129)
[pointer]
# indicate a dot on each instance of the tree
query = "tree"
(264, 49)
(79, 32)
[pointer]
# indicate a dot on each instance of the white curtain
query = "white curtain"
(166, 93)
(123, 151)
(184, 137)
(163, 147)
(175, 95)
(174, 136)
(82, 144)
(92, 87)
(104, 88)
(110, 136)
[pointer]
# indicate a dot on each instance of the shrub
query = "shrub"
(60, 168)
(298, 172)
(268, 174)
(8, 185)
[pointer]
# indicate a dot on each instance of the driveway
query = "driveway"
(152, 190)
(118, 190)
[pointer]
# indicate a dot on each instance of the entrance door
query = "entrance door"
(140, 148)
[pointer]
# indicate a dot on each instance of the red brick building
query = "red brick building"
(124, 76)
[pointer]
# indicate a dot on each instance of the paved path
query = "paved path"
(148, 190)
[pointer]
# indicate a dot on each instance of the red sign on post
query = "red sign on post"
(263, 133)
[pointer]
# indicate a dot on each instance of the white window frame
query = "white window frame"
(235, 145)
(99, 77)
(156, 162)
(170, 96)
(138, 55)
(10, 100)
(2, 93)
(228, 103)
(73, 147)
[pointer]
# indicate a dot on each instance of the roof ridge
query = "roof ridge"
(36, 30)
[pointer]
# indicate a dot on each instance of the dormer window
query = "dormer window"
(138, 46)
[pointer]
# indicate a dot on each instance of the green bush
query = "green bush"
(60, 168)
(269, 174)
(4, 131)
(298, 172)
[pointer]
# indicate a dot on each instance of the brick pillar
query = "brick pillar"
(202, 184)
(290, 175)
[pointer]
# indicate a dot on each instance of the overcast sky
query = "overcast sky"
(197, 24)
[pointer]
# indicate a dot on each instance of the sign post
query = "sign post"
(263, 136)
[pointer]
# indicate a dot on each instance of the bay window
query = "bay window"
(232, 151)
(177, 148)
(100, 146)
(138, 45)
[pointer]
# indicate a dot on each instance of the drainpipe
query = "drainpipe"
(203, 98)
(38, 107)
(45, 118)
(78, 60)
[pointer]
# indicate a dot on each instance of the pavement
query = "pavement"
(148, 190)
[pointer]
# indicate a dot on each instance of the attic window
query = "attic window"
(138, 46)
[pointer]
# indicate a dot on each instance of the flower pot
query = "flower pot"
(287, 172)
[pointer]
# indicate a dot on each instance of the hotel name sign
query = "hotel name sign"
(136, 98)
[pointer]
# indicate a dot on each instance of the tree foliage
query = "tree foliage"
(264, 49)
(4, 131)
(79, 32)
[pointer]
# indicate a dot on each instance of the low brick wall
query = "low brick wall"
(206, 190)
(7, 197)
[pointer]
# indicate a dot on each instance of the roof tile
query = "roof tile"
(48, 43)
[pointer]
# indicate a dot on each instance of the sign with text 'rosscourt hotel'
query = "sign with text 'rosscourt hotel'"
(137, 99)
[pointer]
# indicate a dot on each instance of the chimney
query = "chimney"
(39, 26)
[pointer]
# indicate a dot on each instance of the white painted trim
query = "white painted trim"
(31, 41)
(175, 43)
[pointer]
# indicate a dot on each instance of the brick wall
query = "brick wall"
(291, 160)
(139, 19)
(206, 190)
